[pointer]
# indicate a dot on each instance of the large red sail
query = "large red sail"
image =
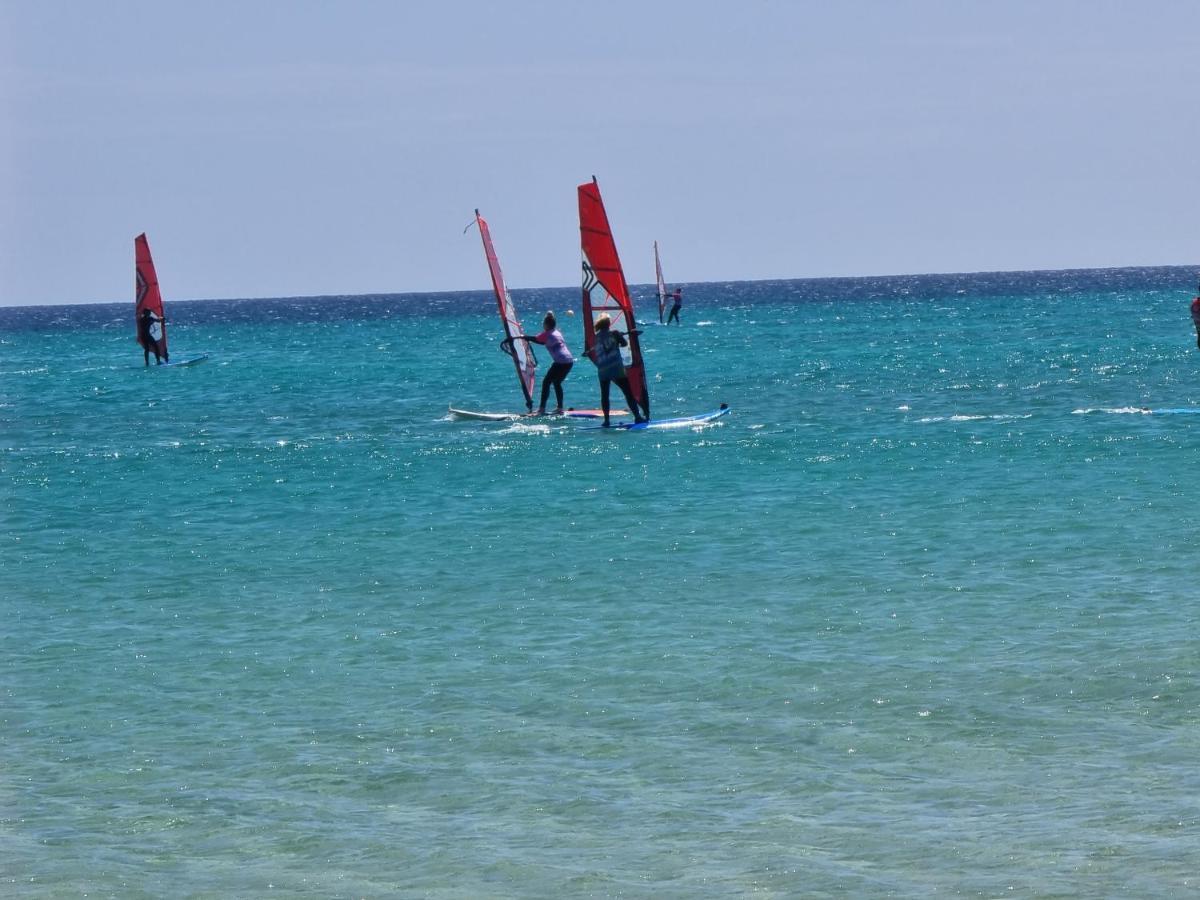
(521, 352)
(146, 293)
(604, 287)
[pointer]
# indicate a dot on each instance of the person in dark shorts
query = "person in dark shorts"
(606, 354)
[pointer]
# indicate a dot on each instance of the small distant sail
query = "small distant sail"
(662, 285)
(604, 287)
(146, 293)
(521, 351)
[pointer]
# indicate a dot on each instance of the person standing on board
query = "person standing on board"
(677, 297)
(1196, 315)
(551, 338)
(606, 354)
(149, 334)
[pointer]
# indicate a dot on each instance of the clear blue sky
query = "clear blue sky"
(278, 149)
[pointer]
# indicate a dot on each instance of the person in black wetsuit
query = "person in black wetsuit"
(1196, 315)
(148, 324)
(562, 360)
(677, 297)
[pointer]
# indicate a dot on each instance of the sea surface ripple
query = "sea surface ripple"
(918, 617)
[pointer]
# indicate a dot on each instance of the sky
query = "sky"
(306, 148)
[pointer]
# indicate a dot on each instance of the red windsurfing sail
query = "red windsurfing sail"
(146, 293)
(662, 285)
(520, 351)
(604, 287)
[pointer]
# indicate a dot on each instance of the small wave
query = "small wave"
(523, 428)
(1142, 411)
(962, 417)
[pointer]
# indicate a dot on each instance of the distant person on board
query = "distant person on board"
(150, 337)
(551, 338)
(677, 298)
(606, 354)
(1196, 315)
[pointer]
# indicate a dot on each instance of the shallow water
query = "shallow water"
(915, 618)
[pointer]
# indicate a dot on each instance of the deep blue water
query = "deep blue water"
(917, 618)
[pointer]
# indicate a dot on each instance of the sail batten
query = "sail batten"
(521, 352)
(604, 288)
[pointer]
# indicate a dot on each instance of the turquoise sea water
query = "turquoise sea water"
(918, 617)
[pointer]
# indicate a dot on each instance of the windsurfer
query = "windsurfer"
(150, 337)
(677, 297)
(1196, 315)
(606, 354)
(551, 338)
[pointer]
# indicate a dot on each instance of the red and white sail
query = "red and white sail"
(521, 351)
(604, 287)
(662, 285)
(146, 292)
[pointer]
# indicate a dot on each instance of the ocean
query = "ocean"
(916, 618)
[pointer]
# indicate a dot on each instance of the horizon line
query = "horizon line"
(1195, 266)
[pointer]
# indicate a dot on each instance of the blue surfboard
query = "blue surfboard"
(188, 362)
(660, 424)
